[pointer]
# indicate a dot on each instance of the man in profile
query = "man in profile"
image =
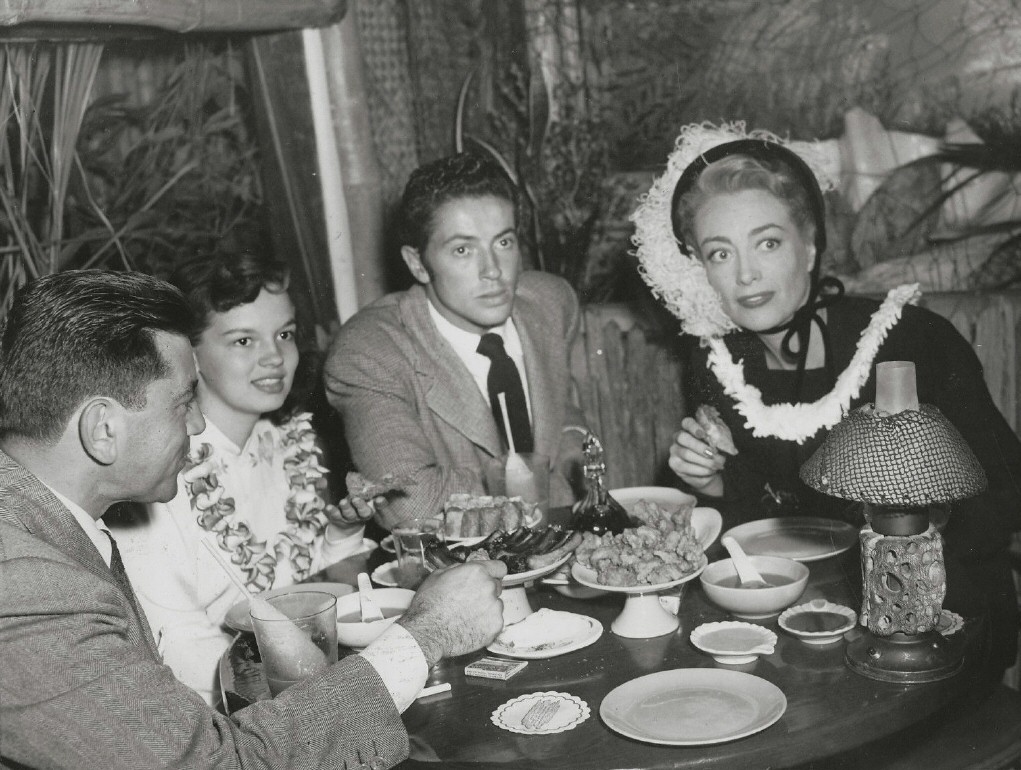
(417, 375)
(97, 400)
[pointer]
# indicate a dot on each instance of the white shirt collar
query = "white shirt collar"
(94, 529)
(466, 343)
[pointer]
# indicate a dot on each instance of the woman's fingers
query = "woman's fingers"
(354, 510)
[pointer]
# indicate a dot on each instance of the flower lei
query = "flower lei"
(797, 422)
(305, 509)
(678, 279)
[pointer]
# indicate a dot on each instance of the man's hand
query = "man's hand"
(457, 610)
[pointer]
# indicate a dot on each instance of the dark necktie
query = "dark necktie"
(504, 378)
(117, 568)
(121, 576)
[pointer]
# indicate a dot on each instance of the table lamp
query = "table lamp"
(898, 458)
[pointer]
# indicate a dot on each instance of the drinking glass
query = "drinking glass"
(410, 537)
(297, 636)
(520, 474)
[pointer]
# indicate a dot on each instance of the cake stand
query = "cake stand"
(643, 615)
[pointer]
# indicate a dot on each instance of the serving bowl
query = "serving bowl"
(352, 632)
(723, 587)
(706, 522)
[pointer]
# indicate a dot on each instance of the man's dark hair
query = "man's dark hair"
(216, 283)
(82, 333)
(465, 175)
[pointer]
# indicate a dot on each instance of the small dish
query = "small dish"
(386, 575)
(733, 642)
(818, 621)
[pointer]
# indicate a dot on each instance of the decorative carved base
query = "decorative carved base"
(904, 581)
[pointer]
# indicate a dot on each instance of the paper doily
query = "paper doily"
(565, 713)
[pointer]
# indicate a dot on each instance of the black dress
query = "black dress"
(762, 480)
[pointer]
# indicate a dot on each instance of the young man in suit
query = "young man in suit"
(97, 400)
(411, 374)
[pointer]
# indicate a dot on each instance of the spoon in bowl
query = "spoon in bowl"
(746, 572)
(370, 610)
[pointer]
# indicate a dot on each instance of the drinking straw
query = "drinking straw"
(245, 590)
(506, 423)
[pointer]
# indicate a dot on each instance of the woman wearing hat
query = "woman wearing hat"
(730, 238)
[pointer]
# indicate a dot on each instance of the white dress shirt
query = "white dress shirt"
(466, 345)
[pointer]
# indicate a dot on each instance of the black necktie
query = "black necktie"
(121, 576)
(504, 378)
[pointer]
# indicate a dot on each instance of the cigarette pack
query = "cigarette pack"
(494, 668)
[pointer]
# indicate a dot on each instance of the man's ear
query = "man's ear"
(413, 260)
(98, 429)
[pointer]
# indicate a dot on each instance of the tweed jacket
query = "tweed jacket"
(410, 405)
(81, 684)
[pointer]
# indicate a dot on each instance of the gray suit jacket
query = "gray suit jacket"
(410, 405)
(81, 684)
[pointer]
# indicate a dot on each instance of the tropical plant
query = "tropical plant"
(560, 166)
(178, 175)
(108, 184)
(43, 98)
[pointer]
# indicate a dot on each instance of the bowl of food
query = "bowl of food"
(786, 578)
(352, 632)
(707, 522)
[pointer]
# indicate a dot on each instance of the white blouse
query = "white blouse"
(181, 586)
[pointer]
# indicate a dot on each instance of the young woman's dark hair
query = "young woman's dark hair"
(216, 283)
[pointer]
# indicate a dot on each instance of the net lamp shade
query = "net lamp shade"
(898, 458)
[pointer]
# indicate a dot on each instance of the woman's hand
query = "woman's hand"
(695, 460)
(351, 513)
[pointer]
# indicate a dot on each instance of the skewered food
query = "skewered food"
(662, 549)
(716, 430)
(471, 516)
(366, 489)
(522, 549)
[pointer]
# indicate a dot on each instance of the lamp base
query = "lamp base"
(904, 658)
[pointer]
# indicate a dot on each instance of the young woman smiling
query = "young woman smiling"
(253, 485)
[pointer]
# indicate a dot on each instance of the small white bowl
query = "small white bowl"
(818, 621)
(755, 603)
(392, 601)
(734, 642)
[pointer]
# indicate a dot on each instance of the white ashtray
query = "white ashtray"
(818, 621)
(734, 642)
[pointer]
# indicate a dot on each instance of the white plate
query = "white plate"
(237, 617)
(520, 578)
(587, 577)
(386, 575)
(802, 538)
(585, 636)
(692, 707)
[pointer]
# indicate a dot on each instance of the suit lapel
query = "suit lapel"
(451, 392)
(31, 505)
(545, 381)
